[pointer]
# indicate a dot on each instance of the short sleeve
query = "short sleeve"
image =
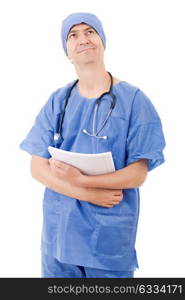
(41, 134)
(145, 139)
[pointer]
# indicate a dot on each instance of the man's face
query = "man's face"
(84, 45)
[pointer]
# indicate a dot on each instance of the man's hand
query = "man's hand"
(104, 197)
(65, 172)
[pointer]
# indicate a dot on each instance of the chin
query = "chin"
(86, 60)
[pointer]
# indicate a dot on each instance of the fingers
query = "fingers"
(117, 192)
(50, 160)
(112, 203)
(54, 169)
(53, 163)
(113, 198)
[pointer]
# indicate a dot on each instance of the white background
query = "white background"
(145, 47)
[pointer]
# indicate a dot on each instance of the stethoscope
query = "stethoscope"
(58, 138)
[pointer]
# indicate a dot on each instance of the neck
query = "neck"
(93, 78)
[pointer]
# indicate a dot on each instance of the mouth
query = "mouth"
(85, 50)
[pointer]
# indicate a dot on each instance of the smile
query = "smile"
(86, 49)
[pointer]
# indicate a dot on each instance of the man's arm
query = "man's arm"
(132, 176)
(41, 171)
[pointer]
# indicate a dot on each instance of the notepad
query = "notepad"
(88, 163)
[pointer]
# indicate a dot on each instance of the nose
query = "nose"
(83, 39)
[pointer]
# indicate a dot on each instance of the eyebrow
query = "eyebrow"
(83, 30)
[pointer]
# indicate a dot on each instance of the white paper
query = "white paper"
(90, 164)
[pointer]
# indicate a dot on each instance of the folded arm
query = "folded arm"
(47, 173)
(132, 176)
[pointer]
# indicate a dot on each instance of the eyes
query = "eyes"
(89, 32)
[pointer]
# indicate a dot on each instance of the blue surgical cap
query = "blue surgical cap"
(79, 18)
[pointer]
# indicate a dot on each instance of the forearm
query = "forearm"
(44, 171)
(131, 176)
(43, 174)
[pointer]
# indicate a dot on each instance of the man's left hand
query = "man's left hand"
(66, 172)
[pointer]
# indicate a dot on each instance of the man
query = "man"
(90, 222)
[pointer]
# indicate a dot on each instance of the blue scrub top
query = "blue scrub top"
(78, 232)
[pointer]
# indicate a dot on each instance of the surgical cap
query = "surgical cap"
(79, 18)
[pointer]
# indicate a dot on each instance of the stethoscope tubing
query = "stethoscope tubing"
(57, 136)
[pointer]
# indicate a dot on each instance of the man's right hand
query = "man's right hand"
(103, 197)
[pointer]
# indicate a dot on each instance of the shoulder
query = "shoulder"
(125, 89)
(136, 100)
(143, 108)
(62, 90)
(135, 93)
(116, 80)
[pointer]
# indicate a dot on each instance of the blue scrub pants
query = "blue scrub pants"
(51, 267)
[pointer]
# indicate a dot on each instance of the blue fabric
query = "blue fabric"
(78, 18)
(77, 232)
(52, 268)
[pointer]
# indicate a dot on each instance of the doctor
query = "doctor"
(90, 222)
